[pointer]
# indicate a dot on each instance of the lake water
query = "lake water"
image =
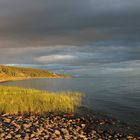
(118, 97)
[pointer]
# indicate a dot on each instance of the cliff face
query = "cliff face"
(13, 73)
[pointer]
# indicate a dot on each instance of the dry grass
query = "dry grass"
(17, 73)
(16, 99)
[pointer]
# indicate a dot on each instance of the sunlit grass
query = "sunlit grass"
(15, 99)
(18, 73)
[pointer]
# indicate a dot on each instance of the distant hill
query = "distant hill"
(17, 73)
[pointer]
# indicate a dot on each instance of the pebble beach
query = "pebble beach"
(63, 126)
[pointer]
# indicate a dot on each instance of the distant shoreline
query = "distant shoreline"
(9, 73)
(20, 79)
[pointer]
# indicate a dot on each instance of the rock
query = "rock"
(58, 127)
(7, 129)
(17, 135)
(1, 130)
(101, 123)
(2, 135)
(46, 137)
(8, 136)
(109, 136)
(78, 128)
(70, 115)
(32, 135)
(26, 137)
(70, 121)
(53, 136)
(64, 131)
(7, 120)
(82, 136)
(16, 129)
(39, 130)
(26, 125)
(83, 125)
(58, 138)
(67, 137)
(57, 132)
(16, 125)
(129, 137)
(27, 130)
(93, 132)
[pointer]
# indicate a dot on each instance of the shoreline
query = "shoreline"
(65, 126)
(92, 125)
(10, 73)
(30, 78)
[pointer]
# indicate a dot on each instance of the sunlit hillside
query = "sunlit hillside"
(13, 73)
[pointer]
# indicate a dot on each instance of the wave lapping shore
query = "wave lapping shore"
(51, 126)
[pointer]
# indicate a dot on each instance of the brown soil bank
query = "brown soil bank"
(61, 126)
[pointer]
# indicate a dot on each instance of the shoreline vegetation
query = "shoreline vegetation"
(16, 99)
(35, 114)
(10, 73)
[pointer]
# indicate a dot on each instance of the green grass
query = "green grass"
(15, 99)
(15, 73)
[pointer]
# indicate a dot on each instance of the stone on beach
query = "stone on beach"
(63, 127)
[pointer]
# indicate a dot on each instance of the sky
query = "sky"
(77, 36)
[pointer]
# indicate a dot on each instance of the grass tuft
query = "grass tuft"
(15, 99)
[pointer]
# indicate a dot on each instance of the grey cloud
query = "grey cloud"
(71, 55)
(46, 22)
(85, 60)
(93, 35)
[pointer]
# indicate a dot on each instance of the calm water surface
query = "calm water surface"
(118, 97)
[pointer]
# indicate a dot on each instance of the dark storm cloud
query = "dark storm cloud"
(86, 35)
(57, 22)
(84, 60)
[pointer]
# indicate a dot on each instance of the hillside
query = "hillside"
(17, 73)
